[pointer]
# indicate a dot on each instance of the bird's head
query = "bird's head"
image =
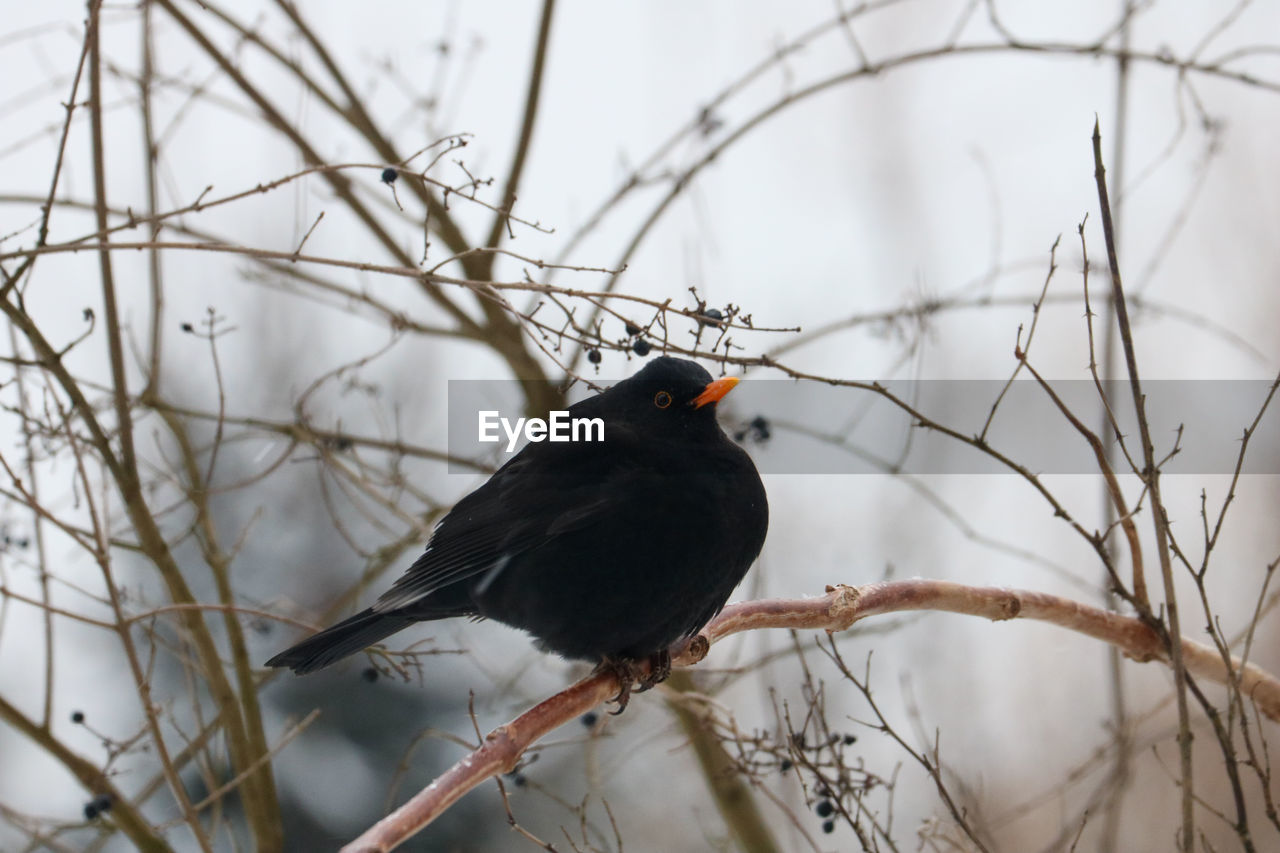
(670, 393)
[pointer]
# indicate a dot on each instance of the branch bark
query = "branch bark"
(837, 610)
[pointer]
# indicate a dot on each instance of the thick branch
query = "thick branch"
(125, 815)
(839, 609)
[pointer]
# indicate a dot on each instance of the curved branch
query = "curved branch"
(838, 610)
(680, 178)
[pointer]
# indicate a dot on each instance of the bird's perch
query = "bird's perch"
(836, 611)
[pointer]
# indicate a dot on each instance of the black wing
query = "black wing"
(527, 502)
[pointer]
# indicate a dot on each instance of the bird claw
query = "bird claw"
(633, 677)
(659, 670)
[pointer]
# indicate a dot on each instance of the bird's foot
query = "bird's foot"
(632, 675)
(659, 669)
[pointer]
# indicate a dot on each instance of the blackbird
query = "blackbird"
(608, 551)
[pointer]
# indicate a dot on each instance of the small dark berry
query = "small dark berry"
(90, 811)
(594, 356)
(103, 803)
(824, 808)
(632, 329)
(77, 716)
(828, 826)
(641, 347)
(389, 175)
(88, 315)
(784, 765)
(187, 327)
(710, 317)
(589, 719)
(848, 739)
(370, 674)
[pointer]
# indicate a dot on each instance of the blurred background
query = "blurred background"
(883, 191)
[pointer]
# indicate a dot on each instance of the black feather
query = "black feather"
(612, 549)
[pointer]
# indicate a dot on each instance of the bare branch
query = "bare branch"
(837, 610)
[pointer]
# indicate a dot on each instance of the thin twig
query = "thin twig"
(1151, 478)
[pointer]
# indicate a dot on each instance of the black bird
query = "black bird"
(605, 551)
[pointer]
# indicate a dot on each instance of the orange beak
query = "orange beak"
(714, 391)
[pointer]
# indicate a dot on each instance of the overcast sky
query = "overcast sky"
(947, 176)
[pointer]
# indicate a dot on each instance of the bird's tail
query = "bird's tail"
(346, 638)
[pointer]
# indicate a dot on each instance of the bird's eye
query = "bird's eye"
(662, 399)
